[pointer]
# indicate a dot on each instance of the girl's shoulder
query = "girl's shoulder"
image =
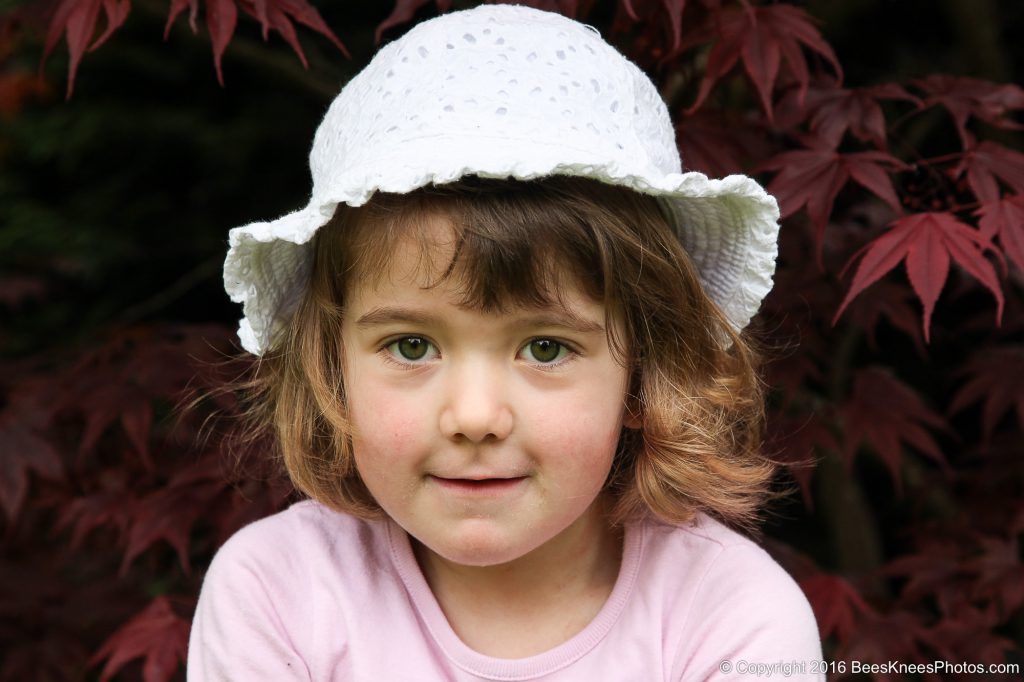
(275, 584)
(302, 538)
(728, 593)
(707, 546)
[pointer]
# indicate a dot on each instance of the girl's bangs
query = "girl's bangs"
(513, 247)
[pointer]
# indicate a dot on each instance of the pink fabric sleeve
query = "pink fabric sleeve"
(749, 612)
(237, 632)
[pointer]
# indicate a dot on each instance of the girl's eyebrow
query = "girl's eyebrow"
(560, 317)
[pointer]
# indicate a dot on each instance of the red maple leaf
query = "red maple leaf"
(893, 301)
(1005, 218)
(27, 415)
(674, 9)
(996, 377)
(986, 163)
(157, 634)
(279, 14)
(118, 401)
(763, 37)
(713, 143)
(1000, 573)
(177, 7)
(927, 241)
(792, 373)
(168, 514)
(838, 606)
(403, 12)
(76, 20)
(22, 449)
(89, 512)
(967, 634)
(967, 97)
(885, 413)
(222, 17)
(794, 442)
(121, 381)
(812, 178)
(833, 111)
(931, 570)
(884, 637)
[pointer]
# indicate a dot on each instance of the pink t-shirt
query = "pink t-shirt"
(311, 594)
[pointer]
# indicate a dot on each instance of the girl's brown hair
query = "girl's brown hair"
(700, 401)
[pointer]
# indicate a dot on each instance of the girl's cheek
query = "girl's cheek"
(583, 442)
(388, 422)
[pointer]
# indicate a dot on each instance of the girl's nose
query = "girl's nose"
(476, 404)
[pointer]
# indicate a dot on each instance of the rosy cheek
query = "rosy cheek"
(388, 423)
(568, 445)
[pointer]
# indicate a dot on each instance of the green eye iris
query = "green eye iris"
(412, 348)
(545, 350)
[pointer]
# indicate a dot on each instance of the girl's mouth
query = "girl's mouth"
(480, 487)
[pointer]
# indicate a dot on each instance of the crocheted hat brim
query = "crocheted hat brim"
(729, 226)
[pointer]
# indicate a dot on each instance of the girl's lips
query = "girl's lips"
(480, 487)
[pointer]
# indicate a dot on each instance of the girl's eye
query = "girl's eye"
(411, 347)
(546, 351)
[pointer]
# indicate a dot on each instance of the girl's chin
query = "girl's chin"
(474, 548)
(480, 557)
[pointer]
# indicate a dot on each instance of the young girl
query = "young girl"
(501, 354)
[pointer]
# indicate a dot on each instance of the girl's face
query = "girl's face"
(483, 436)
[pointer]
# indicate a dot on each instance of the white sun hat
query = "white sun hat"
(503, 91)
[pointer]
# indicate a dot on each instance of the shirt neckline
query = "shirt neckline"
(537, 665)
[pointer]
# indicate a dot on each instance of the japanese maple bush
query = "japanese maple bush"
(894, 328)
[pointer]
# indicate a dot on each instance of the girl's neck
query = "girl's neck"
(531, 604)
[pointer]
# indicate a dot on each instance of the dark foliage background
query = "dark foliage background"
(900, 177)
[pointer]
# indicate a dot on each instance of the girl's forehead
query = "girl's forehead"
(410, 284)
(583, 317)
(422, 251)
(422, 259)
